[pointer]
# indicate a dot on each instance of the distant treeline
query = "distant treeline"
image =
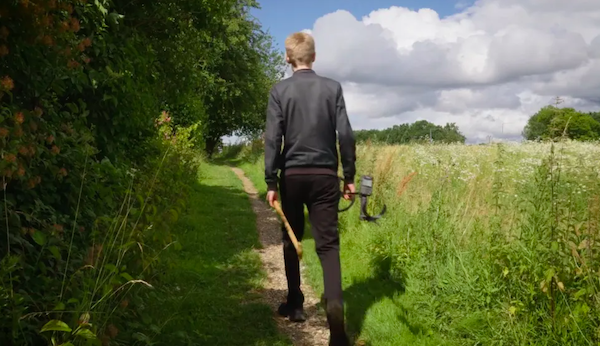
(420, 131)
(552, 122)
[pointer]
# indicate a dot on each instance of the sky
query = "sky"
(486, 65)
(282, 17)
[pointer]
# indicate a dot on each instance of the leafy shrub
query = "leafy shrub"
(93, 174)
(89, 186)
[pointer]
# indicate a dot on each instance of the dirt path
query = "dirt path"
(313, 332)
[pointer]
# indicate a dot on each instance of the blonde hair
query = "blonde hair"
(300, 48)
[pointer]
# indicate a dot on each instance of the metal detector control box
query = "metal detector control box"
(366, 190)
(366, 185)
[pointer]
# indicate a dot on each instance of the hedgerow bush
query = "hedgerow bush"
(94, 170)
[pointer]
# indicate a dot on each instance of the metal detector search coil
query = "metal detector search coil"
(366, 190)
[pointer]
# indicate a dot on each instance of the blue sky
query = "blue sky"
(487, 71)
(282, 17)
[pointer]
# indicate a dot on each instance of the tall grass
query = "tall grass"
(492, 244)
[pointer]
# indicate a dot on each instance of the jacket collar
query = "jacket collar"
(304, 71)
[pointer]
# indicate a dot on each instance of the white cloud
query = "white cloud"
(487, 68)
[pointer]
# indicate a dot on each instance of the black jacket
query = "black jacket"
(306, 110)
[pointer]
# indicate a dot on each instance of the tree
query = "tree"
(418, 131)
(595, 116)
(248, 69)
(537, 126)
(215, 61)
(574, 125)
(552, 122)
(452, 134)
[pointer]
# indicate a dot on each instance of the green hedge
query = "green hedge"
(104, 109)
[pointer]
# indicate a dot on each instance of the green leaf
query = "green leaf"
(73, 107)
(580, 293)
(59, 307)
(55, 252)
(128, 245)
(155, 328)
(106, 289)
(111, 268)
(114, 17)
(86, 334)
(549, 273)
(56, 325)
(101, 7)
(174, 215)
(127, 276)
(585, 308)
(140, 337)
(140, 199)
(39, 238)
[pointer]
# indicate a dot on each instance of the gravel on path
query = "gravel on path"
(314, 331)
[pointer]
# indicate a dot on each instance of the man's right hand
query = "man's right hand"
(349, 191)
(272, 197)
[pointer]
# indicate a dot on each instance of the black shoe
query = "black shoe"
(335, 318)
(341, 340)
(294, 314)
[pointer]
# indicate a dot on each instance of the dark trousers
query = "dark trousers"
(321, 195)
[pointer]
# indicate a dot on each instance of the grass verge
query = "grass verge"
(207, 294)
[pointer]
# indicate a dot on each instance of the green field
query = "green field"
(481, 245)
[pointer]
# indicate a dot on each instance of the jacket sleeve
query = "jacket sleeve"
(345, 138)
(273, 139)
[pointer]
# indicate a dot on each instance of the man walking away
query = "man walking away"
(307, 110)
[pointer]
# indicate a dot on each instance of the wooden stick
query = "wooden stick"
(291, 234)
